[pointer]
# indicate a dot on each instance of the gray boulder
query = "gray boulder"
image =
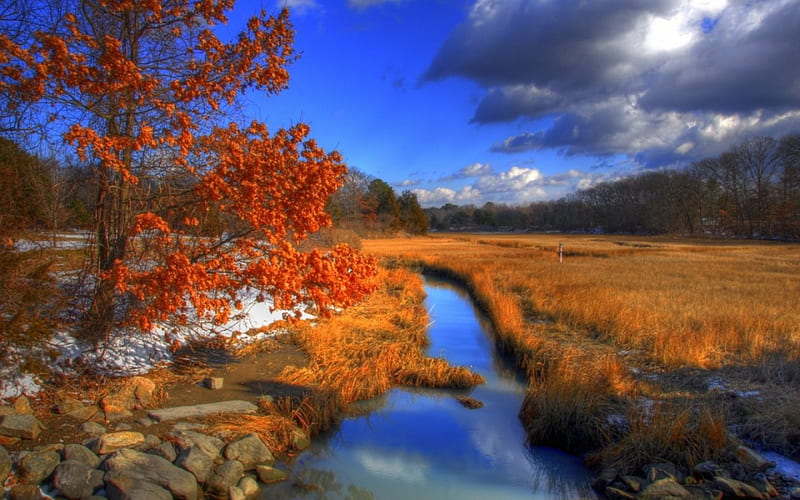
(269, 475)
(234, 493)
(150, 468)
(37, 466)
(165, 450)
(224, 476)
(20, 426)
(196, 461)
(93, 429)
(77, 480)
(249, 450)
(26, 492)
(209, 444)
(128, 488)
(80, 453)
(5, 464)
(113, 441)
(249, 486)
(665, 488)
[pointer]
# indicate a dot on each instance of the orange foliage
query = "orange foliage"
(152, 77)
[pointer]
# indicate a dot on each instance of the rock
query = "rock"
(93, 429)
(84, 413)
(633, 483)
(77, 480)
(22, 405)
(128, 488)
(214, 383)
(300, 439)
(269, 475)
(113, 441)
(249, 450)
(20, 426)
(704, 492)
(469, 403)
(661, 471)
(235, 493)
(165, 450)
(762, 484)
(114, 408)
(7, 410)
(67, 404)
(196, 461)
(249, 486)
(751, 460)
(135, 394)
(188, 426)
(26, 492)
(145, 467)
(707, 470)
(82, 454)
(5, 464)
(736, 488)
(124, 427)
(8, 441)
(225, 475)
(202, 410)
(209, 444)
(618, 494)
(664, 489)
(36, 466)
(150, 441)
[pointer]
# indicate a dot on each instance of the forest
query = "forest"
(750, 191)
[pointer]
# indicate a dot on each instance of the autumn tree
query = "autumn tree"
(144, 91)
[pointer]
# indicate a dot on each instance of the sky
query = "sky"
(516, 101)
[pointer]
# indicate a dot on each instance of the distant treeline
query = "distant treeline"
(752, 191)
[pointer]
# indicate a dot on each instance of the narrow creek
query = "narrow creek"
(423, 444)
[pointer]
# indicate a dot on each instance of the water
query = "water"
(422, 444)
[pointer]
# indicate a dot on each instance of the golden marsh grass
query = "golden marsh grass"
(621, 306)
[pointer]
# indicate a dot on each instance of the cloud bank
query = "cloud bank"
(662, 81)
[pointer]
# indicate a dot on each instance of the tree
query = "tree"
(144, 91)
(387, 206)
(412, 216)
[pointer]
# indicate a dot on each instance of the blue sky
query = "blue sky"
(513, 101)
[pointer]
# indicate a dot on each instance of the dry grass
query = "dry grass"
(369, 348)
(668, 304)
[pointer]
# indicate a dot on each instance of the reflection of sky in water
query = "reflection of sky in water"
(423, 444)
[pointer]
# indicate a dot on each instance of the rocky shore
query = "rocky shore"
(178, 459)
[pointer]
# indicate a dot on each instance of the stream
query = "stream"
(423, 444)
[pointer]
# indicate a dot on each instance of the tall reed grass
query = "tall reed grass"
(677, 304)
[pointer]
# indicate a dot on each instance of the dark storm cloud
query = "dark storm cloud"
(611, 83)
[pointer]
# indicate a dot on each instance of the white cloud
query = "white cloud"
(363, 4)
(515, 179)
(300, 6)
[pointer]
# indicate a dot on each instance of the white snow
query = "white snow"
(133, 352)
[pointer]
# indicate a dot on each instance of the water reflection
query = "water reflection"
(423, 444)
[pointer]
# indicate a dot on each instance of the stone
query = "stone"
(249, 486)
(80, 453)
(165, 450)
(751, 460)
(21, 426)
(214, 383)
(77, 480)
(84, 413)
(26, 492)
(618, 494)
(188, 426)
(150, 441)
(37, 466)
(661, 471)
(93, 429)
(736, 488)
(664, 489)
(22, 405)
(235, 493)
(268, 475)
(209, 444)
(114, 408)
(196, 461)
(633, 483)
(113, 441)
(762, 484)
(249, 450)
(707, 470)
(145, 467)
(128, 488)
(300, 439)
(704, 492)
(5, 464)
(203, 410)
(68, 404)
(8, 440)
(224, 476)
(135, 394)
(124, 426)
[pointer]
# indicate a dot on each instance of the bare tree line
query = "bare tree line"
(751, 191)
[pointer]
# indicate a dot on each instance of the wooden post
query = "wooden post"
(560, 253)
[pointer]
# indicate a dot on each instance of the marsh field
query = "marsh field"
(637, 349)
